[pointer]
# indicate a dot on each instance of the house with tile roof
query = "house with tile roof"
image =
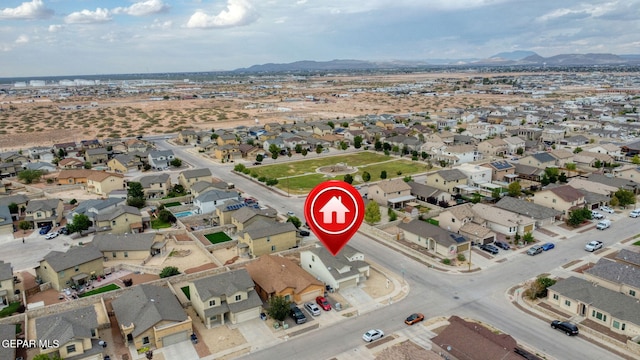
(151, 316)
(129, 246)
(543, 215)
(447, 180)
(346, 269)
(435, 239)
(122, 219)
(618, 312)
(74, 267)
(42, 212)
(189, 177)
(155, 186)
(77, 331)
(394, 193)
(616, 276)
(102, 182)
(563, 198)
(278, 276)
(71, 163)
(225, 297)
(266, 237)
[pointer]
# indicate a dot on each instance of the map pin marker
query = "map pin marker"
(334, 211)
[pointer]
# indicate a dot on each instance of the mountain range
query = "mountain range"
(514, 58)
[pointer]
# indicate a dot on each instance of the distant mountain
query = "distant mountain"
(514, 55)
(309, 65)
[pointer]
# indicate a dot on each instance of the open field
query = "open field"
(310, 165)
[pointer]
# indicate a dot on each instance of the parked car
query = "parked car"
(373, 334)
(502, 245)
(297, 315)
(534, 250)
(303, 233)
(64, 231)
(324, 303)
(312, 308)
(593, 246)
(45, 229)
(490, 248)
(596, 215)
(565, 326)
(606, 209)
(291, 213)
(414, 318)
(603, 224)
(635, 213)
(548, 246)
(51, 235)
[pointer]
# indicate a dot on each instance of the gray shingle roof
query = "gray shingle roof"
(5, 215)
(118, 211)
(60, 261)
(146, 305)
(147, 181)
(629, 256)
(544, 157)
(224, 284)
(425, 229)
(42, 205)
(189, 174)
(199, 186)
(245, 213)
(18, 199)
(215, 195)
(69, 325)
(261, 228)
(452, 174)
(129, 242)
(340, 265)
(158, 153)
(616, 272)
(7, 332)
(6, 272)
(526, 208)
(618, 305)
(612, 181)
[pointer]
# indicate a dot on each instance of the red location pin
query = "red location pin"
(334, 211)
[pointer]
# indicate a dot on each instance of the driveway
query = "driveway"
(183, 351)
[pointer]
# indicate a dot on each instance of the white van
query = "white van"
(603, 224)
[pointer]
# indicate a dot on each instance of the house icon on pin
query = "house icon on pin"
(334, 205)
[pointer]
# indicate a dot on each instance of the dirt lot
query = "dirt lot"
(407, 350)
(376, 285)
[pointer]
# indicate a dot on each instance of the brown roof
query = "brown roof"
(567, 193)
(275, 273)
(74, 173)
(68, 161)
(394, 185)
(99, 176)
(468, 339)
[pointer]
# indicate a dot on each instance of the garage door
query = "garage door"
(349, 283)
(310, 296)
(247, 315)
(174, 338)
(528, 228)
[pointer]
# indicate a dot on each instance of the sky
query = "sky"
(85, 37)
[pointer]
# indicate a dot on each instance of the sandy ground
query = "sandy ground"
(376, 285)
(407, 350)
(218, 338)
(186, 255)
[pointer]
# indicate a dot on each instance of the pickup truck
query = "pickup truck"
(603, 224)
(593, 246)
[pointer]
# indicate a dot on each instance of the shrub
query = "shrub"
(169, 271)
(461, 257)
(446, 261)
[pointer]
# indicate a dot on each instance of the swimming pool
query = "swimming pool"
(184, 214)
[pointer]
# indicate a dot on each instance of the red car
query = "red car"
(414, 318)
(324, 304)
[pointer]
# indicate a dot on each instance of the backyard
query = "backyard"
(217, 238)
(100, 290)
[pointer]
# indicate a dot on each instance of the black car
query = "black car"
(64, 231)
(297, 315)
(303, 233)
(565, 326)
(490, 249)
(502, 245)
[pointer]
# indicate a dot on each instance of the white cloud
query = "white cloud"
(55, 28)
(22, 39)
(163, 25)
(237, 13)
(143, 8)
(27, 10)
(582, 10)
(88, 17)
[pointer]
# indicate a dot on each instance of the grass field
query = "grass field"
(13, 307)
(217, 238)
(159, 224)
(100, 290)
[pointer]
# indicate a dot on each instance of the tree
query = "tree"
(348, 178)
(528, 238)
(24, 226)
(538, 288)
(496, 193)
(305, 152)
(392, 214)
(87, 165)
(562, 178)
(239, 168)
(29, 176)
(169, 271)
(259, 158)
(635, 159)
(295, 221)
(519, 151)
(614, 201)
(47, 357)
(552, 173)
(166, 216)
(13, 208)
(625, 197)
(331, 124)
(386, 146)
(514, 189)
(372, 213)
(298, 148)
(79, 223)
(274, 150)
(377, 145)
(383, 174)
(318, 149)
(395, 149)
(278, 307)
(176, 162)
(578, 216)
(577, 150)
(570, 166)
(366, 176)
(62, 153)
(597, 164)
(357, 142)
(135, 194)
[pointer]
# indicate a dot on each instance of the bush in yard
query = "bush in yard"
(169, 271)
(446, 261)
(538, 289)
(278, 307)
(166, 216)
(461, 257)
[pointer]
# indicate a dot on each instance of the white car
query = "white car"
(291, 213)
(606, 209)
(312, 308)
(51, 235)
(596, 215)
(593, 246)
(635, 213)
(373, 334)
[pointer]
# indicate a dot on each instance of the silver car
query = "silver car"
(312, 308)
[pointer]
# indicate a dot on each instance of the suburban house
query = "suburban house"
(424, 192)
(513, 144)
(71, 163)
(493, 147)
(503, 221)
(543, 215)
(540, 160)
(74, 267)
(201, 187)
(618, 312)
(208, 202)
(476, 175)
(394, 193)
(247, 215)
(529, 172)
(187, 137)
(435, 239)
(40, 153)
(6, 221)
(44, 212)
(563, 198)
(77, 332)
(628, 172)
(462, 220)
(346, 269)
(447, 180)
(123, 219)
(591, 186)
(151, 316)
(102, 182)
(129, 246)
(225, 211)
(68, 148)
(502, 171)
(96, 156)
(44, 167)
(136, 146)
(616, 276)
(266, 237)
(10, 169)
(160, 159)
(7, 294)
(156, 186)
(189, 177)
(92, 207)
(225, 297)
(89, 144)
(278, 276)
(563, 157)
(612, 150)
(124, 162)
(457, 154)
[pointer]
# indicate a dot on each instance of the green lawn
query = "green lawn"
(302, 184)
(186, 291)
(312, 162)
(175, 203)
(100, 290)
(159, 224)
(637, 243)
(218, 237)
(13, 307)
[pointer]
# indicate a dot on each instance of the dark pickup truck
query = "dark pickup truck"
(297, 315)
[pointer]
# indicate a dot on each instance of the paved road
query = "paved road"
(479, 295)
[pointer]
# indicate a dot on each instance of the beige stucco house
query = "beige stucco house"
(266, 237)
(74, 267)
(562, 198)
(395, 193)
